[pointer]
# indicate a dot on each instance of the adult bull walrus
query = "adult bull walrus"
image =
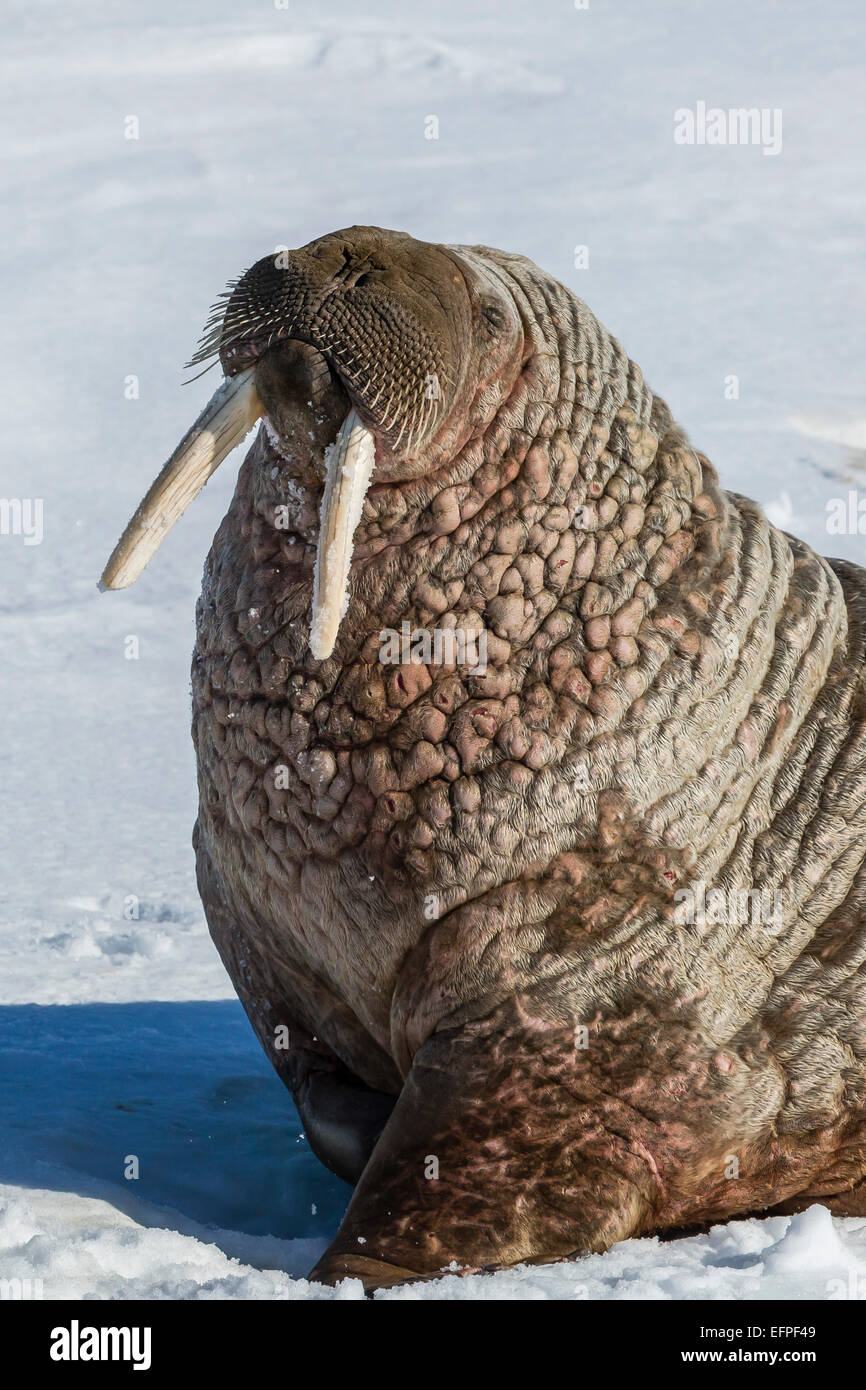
(570, 948)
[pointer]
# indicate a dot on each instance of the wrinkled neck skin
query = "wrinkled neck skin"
(656, 653)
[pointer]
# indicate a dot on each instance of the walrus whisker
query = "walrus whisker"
(204, 371)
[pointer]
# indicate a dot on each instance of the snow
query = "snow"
(84, 1247)
(259, 127)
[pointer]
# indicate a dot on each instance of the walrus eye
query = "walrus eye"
(492, 319)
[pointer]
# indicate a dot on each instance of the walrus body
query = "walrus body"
(489, 927)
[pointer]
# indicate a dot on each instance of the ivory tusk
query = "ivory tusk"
(350, 467)
(228, 416)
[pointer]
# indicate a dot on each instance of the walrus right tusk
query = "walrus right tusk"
(228, 416)
(349, 469)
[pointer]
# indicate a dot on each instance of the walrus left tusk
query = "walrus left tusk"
(350, 467)
(228, 416)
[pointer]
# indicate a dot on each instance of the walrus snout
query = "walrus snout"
(389, 315)
(356, 348)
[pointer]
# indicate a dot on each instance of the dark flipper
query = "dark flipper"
(342, 1118)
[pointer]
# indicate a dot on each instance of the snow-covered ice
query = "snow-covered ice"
(85, 1247)
(258, 127)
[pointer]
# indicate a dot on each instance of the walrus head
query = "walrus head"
(372, 357)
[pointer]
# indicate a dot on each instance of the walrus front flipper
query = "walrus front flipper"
(342, 1119)
(463, 1180)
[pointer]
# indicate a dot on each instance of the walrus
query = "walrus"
(561, 946)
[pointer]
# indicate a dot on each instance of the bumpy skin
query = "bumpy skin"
(465, 897)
